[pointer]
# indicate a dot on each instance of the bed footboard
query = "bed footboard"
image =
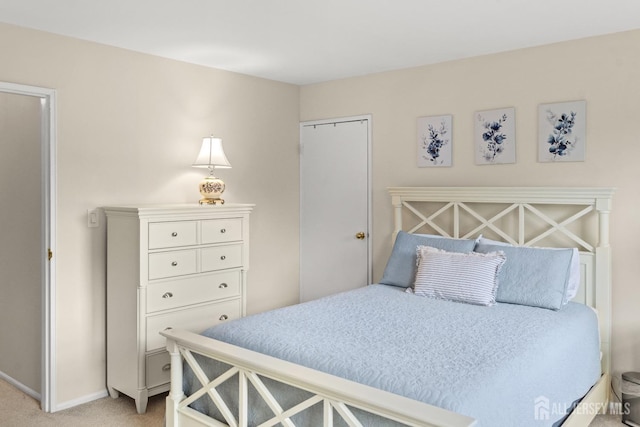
(337, 395)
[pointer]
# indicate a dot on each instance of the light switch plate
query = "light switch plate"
(93, 218)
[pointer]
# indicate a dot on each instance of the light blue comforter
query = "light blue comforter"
(490, 363)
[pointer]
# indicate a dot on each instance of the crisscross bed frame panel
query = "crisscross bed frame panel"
(523, 216)
(337, 396)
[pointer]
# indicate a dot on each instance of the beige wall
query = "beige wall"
(604, 71)
(129, 127)
(20, 244)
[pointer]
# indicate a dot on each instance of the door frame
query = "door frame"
(369, 119)
(48, 237)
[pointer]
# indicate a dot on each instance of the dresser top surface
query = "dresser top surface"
(176, 208)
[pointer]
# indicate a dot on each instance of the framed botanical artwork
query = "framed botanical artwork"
(562, 131)
(495, 136)
(434, 141)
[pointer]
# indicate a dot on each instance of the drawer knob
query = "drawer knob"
(174, 234)
(223, 285)
(167, 295)
(174, 263)
(224, 317)
(166, 367)
(223, 257)
(223, 230)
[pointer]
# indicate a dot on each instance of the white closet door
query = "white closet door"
(334, 207)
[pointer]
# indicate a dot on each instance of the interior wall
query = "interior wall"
(129, 127)
(601, 70)
(20, 245)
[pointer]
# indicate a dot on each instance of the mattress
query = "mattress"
(496, 364)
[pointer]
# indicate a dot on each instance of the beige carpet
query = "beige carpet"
(19, 410)
(607, 421)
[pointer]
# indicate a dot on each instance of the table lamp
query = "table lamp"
(211, 156)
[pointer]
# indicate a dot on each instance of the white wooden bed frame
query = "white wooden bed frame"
(459, 203)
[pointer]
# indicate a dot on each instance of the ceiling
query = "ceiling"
(310, 41)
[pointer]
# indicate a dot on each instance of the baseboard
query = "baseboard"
(79, 401)
(17, 384)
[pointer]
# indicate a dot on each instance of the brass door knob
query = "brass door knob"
(360, 235)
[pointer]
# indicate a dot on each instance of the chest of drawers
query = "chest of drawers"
(178, 266)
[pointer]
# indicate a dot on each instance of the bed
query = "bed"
(365, 363)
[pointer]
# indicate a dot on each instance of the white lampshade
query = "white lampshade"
(211, 154)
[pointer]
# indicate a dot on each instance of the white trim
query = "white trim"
(601, 197)
(48, 167)
(81, 400)
(17, 384)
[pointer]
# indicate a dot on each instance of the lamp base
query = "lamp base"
(206, 201)
(211, 188)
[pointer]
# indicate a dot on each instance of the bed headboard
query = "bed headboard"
(524, 216)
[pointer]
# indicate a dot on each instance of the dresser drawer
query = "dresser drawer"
(194, 319)
(221, 230)
(158, 369)
(171, 264)
(172, 234)
(221, 257)
(192, 290)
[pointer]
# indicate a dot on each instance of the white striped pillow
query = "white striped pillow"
(471, 278)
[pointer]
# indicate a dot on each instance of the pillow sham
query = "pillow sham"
(401, 266)
(536, 277)
(464, 277)
(574, 270)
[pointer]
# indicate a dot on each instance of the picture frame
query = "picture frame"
(562, 131)
(435, 141)
(495, 136)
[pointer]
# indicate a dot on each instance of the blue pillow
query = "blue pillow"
(401, 267)
(573, 285)
(536, 277)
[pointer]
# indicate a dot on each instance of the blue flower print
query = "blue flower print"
(434, 141)
(560, 139)
(493, 137)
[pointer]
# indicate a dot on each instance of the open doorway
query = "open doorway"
(27, 213)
